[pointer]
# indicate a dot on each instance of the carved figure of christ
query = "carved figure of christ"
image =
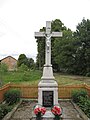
(48, 34)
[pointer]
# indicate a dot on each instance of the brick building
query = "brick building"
(10, 62)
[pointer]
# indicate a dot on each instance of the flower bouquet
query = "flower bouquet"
(39, 112)
(57, 111)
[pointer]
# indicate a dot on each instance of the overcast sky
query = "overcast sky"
(19, 19)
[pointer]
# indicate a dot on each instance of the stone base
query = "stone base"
(48, 114)
(47, 90)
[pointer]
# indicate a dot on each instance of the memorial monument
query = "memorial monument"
(48, 87)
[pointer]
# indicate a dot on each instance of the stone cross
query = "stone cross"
(48, 34)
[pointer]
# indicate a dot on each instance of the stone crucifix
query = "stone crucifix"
(48, 34)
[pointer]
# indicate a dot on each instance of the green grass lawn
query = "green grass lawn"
(71, 79)
(33, 77)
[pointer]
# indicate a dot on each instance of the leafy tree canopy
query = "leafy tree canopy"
(22, 60)
(71, 52)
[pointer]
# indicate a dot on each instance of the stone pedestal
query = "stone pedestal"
(47, 88)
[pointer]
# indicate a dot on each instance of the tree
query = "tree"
(64, 51)
(57, 25)
(31, 63)
(23, 68)
(82, 36)
(41, 51)
(22, 60)
(71, 52)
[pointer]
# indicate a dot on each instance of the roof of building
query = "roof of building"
(7, 57)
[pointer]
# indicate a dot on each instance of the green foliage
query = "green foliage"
(77, 94)
(62, 49)
(81, 98)
(41, 51)
(31, 64)
(23, 68)
(57, 25)
(3, 68)
(25, 76)
(84, 104)
(4, 109)
(12, 96)
(64, 52)
(82, 56)
(22, 60)
(87, 106)
(71, 52)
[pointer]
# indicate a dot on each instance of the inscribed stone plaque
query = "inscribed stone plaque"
(47, 98)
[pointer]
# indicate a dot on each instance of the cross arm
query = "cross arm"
(39, 34)
(56, 34)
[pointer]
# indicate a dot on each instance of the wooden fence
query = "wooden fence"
(3, 90)
(31, 92)
(65, 92)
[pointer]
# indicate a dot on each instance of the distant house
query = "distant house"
(10, 62)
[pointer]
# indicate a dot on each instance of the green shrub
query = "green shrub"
(22, 68)
(25, 76)
(84, 104)
(3, 110)
(12, 96)
(3, 68)
(81, 98)
(76, 94)
(87, 111)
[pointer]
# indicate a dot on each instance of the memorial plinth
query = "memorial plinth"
(47, 88)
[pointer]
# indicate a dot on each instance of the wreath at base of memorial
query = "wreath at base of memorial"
(39, 111)
(57, 112)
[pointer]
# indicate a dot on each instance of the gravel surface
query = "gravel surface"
(25, 110)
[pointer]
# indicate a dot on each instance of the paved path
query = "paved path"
(69, 112)
(24, 112)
